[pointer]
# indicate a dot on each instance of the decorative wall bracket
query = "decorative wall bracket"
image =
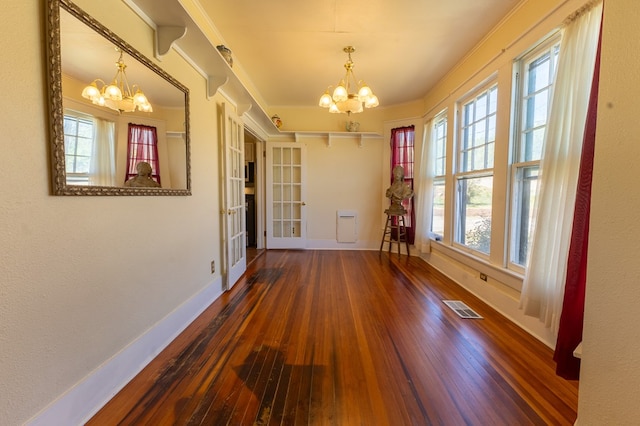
(165, 37)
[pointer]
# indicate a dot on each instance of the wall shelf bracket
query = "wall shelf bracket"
(166, 35)
(243, 108)
(214, 83)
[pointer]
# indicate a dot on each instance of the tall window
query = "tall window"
(474, 175)
(78, 145)
(535, 74)
(439, 152)
(402, 154)
(142, 146)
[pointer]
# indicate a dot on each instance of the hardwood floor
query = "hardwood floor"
(346, 338)
(253, 253)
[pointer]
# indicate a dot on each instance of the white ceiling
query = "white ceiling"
(293, 49)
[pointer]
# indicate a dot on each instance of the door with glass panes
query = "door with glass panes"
(233, 211)
(286, 212)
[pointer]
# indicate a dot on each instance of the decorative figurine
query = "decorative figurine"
(276, 120)
(353, 126)
(226, 54)
(397, 192)
(143, 178)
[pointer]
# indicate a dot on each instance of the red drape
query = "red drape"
(142, 145)
(571, 319)
(402, 154)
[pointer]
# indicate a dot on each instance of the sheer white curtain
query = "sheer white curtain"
(424, 196)
(543, 286)
(102, 171)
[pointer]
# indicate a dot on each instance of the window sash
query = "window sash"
(437, 208)
(439, 140)
(478, 131)
(526, 182)
(537, 69)
(474, 197)
(78, 147)
(535, 77)
(474, 177)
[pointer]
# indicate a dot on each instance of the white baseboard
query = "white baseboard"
(83, 400)
(335, 245)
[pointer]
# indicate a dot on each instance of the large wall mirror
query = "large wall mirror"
(98, 145)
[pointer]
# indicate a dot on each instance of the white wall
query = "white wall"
(610, 374)
(83, 277)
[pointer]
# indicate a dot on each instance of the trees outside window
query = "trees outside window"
(474, 176)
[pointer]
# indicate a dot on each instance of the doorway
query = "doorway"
(254, 194)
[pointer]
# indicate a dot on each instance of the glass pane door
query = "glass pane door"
(285, 198)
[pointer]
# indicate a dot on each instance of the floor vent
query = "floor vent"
(462, 309)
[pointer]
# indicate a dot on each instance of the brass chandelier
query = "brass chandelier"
(118, 95)
(350, 95)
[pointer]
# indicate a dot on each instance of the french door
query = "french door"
(233, 206)
(286, 212)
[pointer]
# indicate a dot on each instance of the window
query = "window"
(78, 146)
(402, 154)
(474, 176)
(142, 145)
(535, 75)
(439, 150)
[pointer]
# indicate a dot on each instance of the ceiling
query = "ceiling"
(86, 55)
(293, 50)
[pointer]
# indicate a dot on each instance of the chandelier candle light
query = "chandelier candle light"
(343, 100)
(117, 95)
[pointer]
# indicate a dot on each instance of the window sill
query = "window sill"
(505, 276)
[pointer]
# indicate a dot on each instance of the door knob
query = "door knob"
(304, 204)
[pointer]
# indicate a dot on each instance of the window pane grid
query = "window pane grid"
(537, 90)
(526, 185)
(478, 131)
(474, 199)
(474, 178)
(437, 214)
(78, 141)
(537, 70)
(440, 142)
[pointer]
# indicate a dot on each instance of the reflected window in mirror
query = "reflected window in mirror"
(142, 146)
(89, 149)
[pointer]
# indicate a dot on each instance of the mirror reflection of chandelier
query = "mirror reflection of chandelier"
(343, 99)
(117, 95)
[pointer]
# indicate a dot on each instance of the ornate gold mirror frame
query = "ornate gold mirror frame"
(55, 50)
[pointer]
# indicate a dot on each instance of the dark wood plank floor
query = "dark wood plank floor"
(346, 338)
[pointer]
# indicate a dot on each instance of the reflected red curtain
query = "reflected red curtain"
(402, 154)
(572, 316)
(142, 145)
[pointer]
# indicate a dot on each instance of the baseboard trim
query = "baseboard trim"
(78, 404)
(335, 245)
